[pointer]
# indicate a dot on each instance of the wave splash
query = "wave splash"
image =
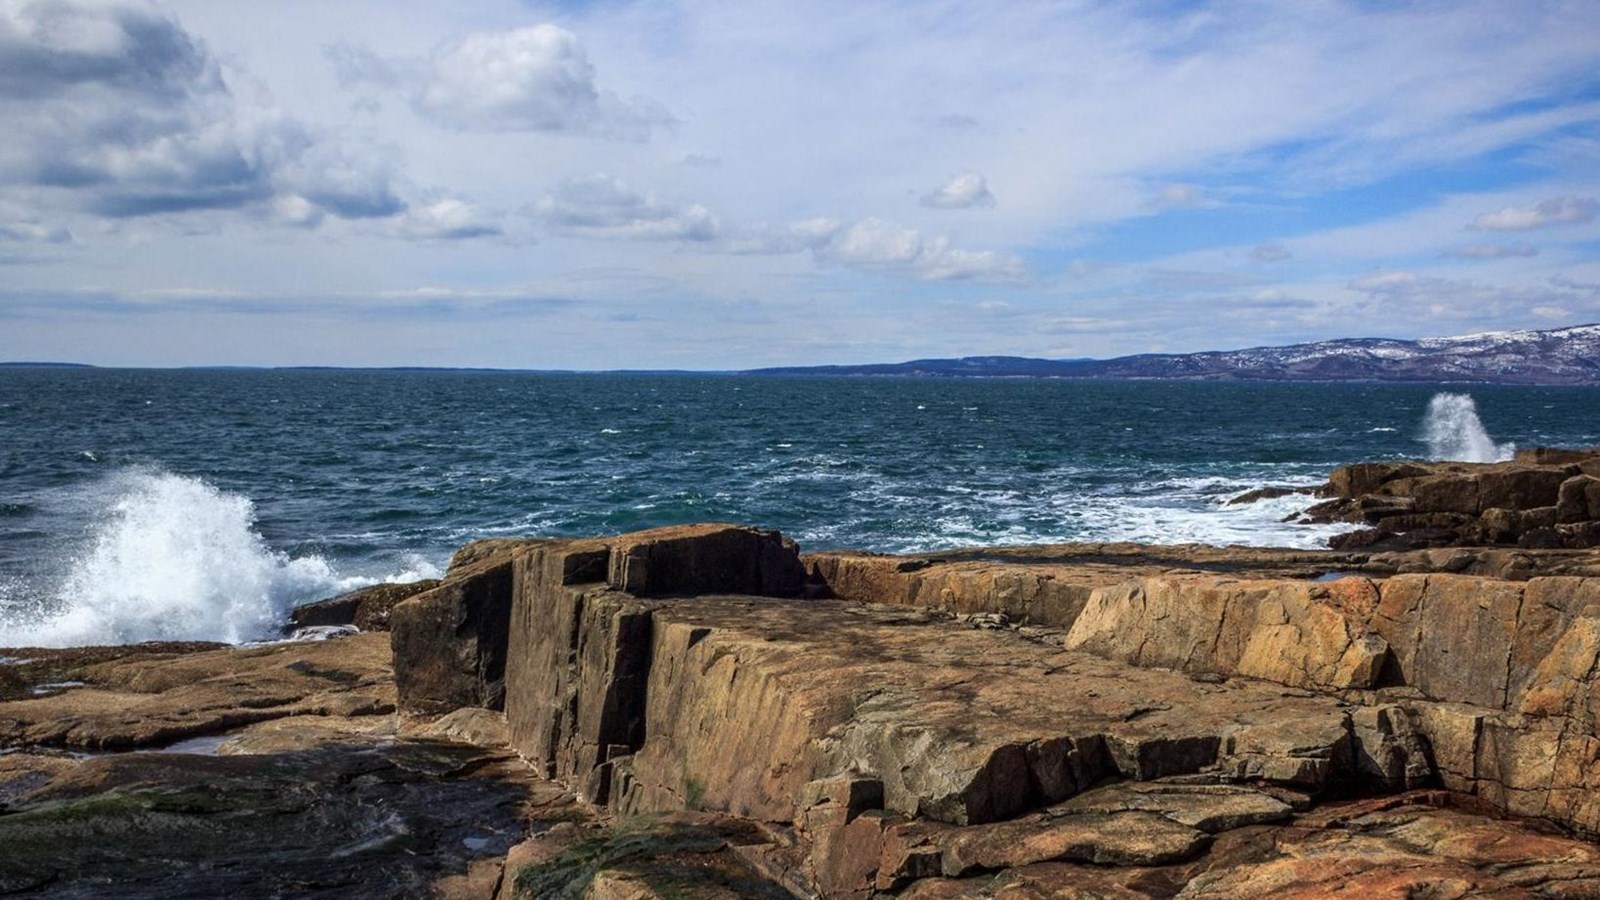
(172, 558)
(1455, 433)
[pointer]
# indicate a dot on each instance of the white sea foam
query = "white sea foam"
(1454, 432)
(174, 558)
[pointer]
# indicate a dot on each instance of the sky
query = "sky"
(720, 185)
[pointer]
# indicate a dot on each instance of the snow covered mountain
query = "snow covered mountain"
(1562, 356)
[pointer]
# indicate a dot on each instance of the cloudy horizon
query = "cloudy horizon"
(688, 185)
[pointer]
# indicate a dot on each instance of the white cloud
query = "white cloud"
(600, 206)
(116, 111)
(445, 220)
(521, 79)
(1546, 213)
(875, 245)
(964, 191)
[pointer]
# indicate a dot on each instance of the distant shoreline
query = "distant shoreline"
(1558, 357)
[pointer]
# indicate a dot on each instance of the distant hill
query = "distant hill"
(1561, 356)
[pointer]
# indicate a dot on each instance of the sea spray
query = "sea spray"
(172, 558)
(1454, 432)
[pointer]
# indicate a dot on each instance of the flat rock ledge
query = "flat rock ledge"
(703, 711)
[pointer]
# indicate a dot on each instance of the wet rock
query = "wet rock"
(347, 823)
(1264, 493)
(366, 608)
(1539, 500)
(681, 855)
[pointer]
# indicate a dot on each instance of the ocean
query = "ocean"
(144, 504)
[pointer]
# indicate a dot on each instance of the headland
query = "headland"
(707, 711)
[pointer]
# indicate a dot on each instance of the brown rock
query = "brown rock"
(1133, 838)
(706, 559)
(1270, 492)
(1353, 481)
(748, 700)
(1211, 808)
(1556, 456)
(145, 700)
(1517, 487)
(1295, 633)
(1578, 500)
(450, 642)
(366, 608)
(479, 551)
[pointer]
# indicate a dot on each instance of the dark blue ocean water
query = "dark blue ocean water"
(141, 503)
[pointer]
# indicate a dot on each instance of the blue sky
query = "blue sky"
(712, 185)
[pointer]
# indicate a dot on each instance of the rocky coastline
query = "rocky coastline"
(707, 711)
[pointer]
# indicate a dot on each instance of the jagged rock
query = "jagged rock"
(1539, 500)
(472, 554)
(706, 559)
(580, 638)
(1181, 738)
(748, 700)
(366, 608)
(1578, 500)
(1366, 478)
(1270, 492)
(1391, 749)
(450, 642)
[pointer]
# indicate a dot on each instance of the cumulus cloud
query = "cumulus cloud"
(1270, 253)
(445, 220)
(806, 234)
(522, 79)
(120, 108)
(1544, 214)
(115, 110)
(1494, 251)
(875, 245)
(600, 206)
(964, 191)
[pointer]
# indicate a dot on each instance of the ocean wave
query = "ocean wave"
(172, 557)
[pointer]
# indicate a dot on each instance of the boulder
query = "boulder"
(366, 608)
(1353, 481)
(1578, 500)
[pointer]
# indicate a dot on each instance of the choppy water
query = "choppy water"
(141, 504)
